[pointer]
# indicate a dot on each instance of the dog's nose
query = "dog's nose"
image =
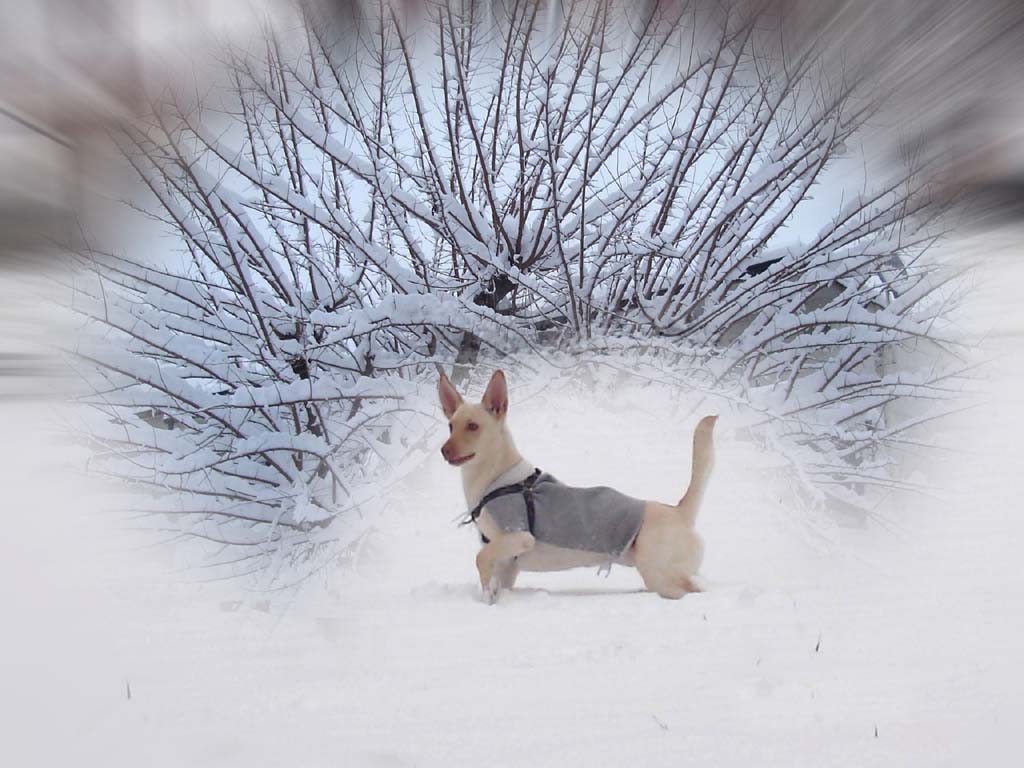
(445, 450)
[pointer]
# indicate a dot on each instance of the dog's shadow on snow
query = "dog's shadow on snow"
(462, 590)
(573, 592)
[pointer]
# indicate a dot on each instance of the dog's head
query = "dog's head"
(476, 430)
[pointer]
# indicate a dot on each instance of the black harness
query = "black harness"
(525, 488)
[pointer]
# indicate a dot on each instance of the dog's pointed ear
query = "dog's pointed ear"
(449, 396)
(495, 398)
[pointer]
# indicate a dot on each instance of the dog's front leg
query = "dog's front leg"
(497, 552)
(506, 573)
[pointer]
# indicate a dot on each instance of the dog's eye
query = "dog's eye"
(472, 426)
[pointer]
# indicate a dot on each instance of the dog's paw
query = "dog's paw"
(489, 594)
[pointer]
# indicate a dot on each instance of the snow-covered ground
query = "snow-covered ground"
(893, 644)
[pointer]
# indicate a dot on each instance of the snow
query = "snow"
(895, 643)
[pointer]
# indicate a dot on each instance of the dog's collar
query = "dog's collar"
(514, 474)
(525, 487)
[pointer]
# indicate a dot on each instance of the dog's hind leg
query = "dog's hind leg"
(672, 587)
(690, 585)
(678, 587)
(667, 553)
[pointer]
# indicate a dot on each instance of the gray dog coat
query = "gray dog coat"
(598, 519)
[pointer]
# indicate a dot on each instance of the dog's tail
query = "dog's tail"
(703, 461)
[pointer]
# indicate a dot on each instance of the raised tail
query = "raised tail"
(703, 461)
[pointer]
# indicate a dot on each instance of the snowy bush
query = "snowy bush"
(486, 179)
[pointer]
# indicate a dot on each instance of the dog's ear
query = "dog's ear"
(449, 396)
(495, 398)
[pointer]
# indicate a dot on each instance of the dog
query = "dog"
(530, 522)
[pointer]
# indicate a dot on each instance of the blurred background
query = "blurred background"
(948, 71)
(71, 69)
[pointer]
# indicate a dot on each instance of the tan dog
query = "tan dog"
(666, 550)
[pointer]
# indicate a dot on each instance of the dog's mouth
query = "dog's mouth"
(459, 461)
